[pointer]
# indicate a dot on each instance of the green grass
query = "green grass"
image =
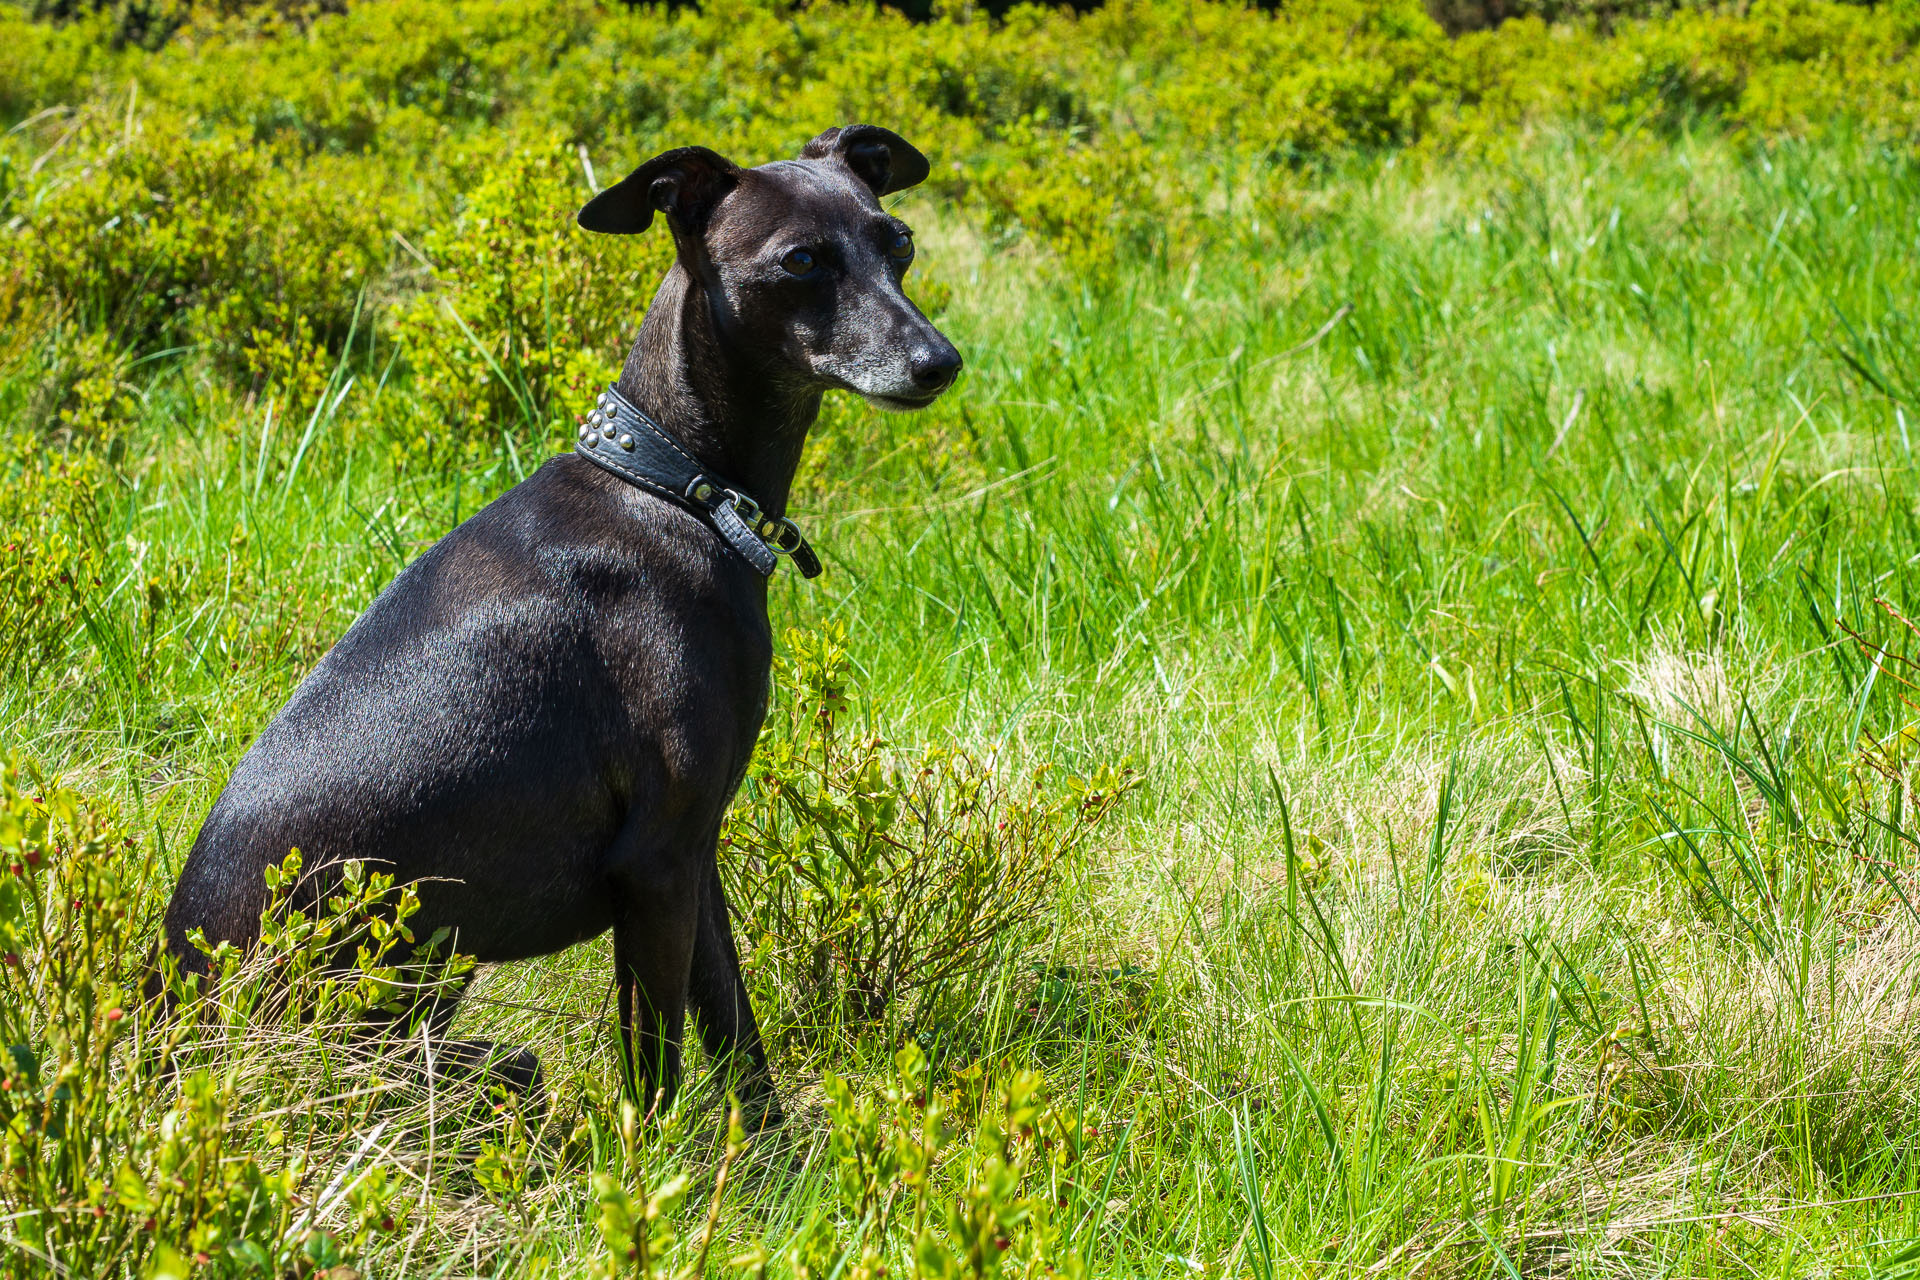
(1459, 551)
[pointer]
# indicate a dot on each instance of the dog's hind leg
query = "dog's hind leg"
(718, 995)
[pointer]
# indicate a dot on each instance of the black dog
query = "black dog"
(543, 719)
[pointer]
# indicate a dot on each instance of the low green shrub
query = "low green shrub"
(47, 66)
(142, 1144)
(1021, 1164)
(872, 877)
(980, 1174)
(526, 317)
(54, 555)
(159, 233)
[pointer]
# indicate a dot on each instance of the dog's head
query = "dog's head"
(798, 260)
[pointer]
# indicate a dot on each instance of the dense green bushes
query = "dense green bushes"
(523, 310)
(250, 185)
(183, 236)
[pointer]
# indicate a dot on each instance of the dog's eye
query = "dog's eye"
(798, 263)
(901, 247)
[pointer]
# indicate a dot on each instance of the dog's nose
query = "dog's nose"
(935, 367)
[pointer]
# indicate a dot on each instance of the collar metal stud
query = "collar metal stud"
(626, 442)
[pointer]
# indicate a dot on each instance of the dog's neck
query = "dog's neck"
(714, 399)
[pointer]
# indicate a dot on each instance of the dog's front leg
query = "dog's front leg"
(719, 997)
(656, 906)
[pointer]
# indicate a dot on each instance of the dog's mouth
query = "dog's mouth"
(901, 404)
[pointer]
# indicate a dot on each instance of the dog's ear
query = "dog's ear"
(878, 157)
(685, 184)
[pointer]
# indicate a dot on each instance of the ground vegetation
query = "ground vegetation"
(1390, 681)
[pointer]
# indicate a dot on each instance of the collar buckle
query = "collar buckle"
(782, 535)
(747, 509)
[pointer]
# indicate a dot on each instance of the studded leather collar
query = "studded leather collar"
(617, 437)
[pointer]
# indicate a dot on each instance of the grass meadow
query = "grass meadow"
(1493, 563)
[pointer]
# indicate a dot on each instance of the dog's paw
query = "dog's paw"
(517, 1070)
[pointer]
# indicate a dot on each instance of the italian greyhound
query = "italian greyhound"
(541, 721)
